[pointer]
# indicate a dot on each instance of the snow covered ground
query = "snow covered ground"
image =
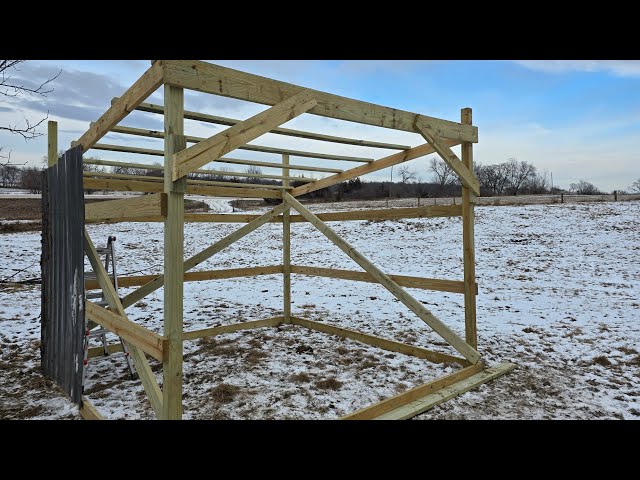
(559, 295)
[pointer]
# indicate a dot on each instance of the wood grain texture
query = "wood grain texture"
(203, 117)
(389, 404)
(286, 252)
(52, 143)
(134, 334)
(134, 96)
(228, 140)
(389, 345)
(468, 248)
(126, 210)
(88, 411)
(423, 404)
(206, 77)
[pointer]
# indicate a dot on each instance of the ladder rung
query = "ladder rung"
(103, 250)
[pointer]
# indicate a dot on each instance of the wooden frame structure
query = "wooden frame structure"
(166, 204)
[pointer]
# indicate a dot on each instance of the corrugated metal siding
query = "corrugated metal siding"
(62, 264)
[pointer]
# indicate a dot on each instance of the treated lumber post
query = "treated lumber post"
(415, 306)
(286, 248)
(173, 255)
(52, 140)
(469, 258)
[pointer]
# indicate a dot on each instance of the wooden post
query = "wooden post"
(286, 248)
(615, 195)
(52, 137)
(173, 254)
(468, 217)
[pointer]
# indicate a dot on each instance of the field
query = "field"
(559, 295)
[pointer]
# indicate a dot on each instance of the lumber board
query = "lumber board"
(429, 401)
(150, 342)
(94, 352)
(89, 183)
(415, 306)
(197, 182)
(228, 140)
(433, 136)
(389, 161)
(127, 209)
(147, 378)
(392, 403)
(218, 80)
(134, 96)
(234, 327)
(137, 280)
(88, 411)
(233, 161)
(203, 117)
(200, 257)
(286, 252)
(52, 143)
(389, 345)
(468, 248)
(173, 256)
(252, 148)
(453, 286)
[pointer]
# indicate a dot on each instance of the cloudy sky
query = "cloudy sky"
(576, 119)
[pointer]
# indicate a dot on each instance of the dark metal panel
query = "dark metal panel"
(62, 264)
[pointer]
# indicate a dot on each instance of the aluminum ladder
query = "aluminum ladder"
(98, 331)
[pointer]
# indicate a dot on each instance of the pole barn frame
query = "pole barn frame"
(166, 204)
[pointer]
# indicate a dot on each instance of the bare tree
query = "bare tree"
(635, 186)
(406, 174)
(254, 170)
(585, 188)
(14, 88)
(518, 172)
(443, 173)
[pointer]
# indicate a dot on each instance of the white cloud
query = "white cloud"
(620, 68)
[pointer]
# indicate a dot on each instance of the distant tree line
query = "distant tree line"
(512, 177)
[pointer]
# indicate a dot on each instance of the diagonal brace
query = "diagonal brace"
(211, 149)
(140, 361)
(416, 307)
(208, 252)
(432, 136)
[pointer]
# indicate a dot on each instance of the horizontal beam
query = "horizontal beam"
(252, 148)
(452, 286)
(224, 173)
(156, 187)
(126, 210)
(431, 400)
(384, 214)
(235, 161)
(148, 341)
(389, 345)
(94, 352)
(151, 178)
(392, 403)
(380, 164)
(226, 141)
(135, 281)
(203, 117)
(134, 96)
(209, 78)
(235, 327)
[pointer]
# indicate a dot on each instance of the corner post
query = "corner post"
(286, 248)
(468, 217)
(173, 255)
(52, 140)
